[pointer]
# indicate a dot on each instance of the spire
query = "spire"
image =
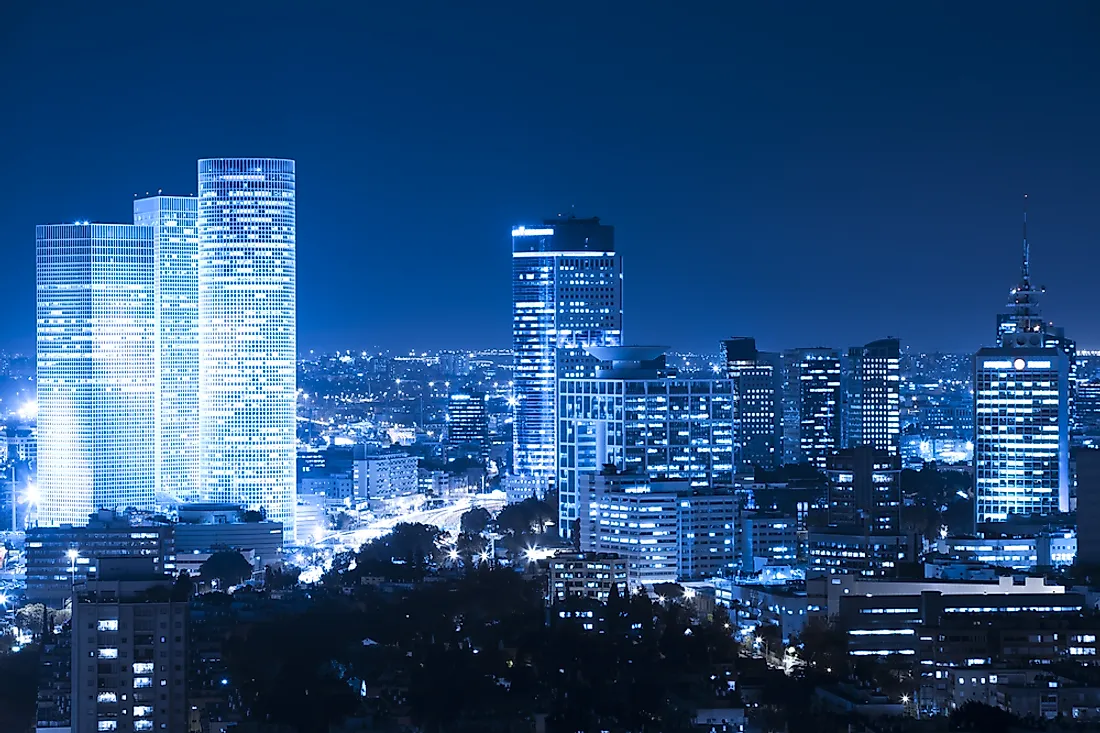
(1025, 270)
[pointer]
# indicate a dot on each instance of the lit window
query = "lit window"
(141, 711)
(143, 682)
(143, 667)
(110, 624)
(107, 697)
(108, 725)
(108, 653)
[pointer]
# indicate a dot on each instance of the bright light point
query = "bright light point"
(30, 495)
(28, 410)
(3, 599)
(73, 554)
(453, 554)
(225, 681)
(905, 699)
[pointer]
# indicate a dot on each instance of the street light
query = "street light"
(73, 554)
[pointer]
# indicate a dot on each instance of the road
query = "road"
(446, 518)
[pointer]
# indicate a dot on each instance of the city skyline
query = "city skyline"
(787, 208)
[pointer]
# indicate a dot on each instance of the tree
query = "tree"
(251, 516)
(184, 587)
(228, 568)
(476, 520)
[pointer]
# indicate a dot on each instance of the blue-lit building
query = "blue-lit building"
(1022, 411)
(873, 396)
(566, 295)
(636, 415)
(174, 220)
(1021, 432)
(468, 425)
(820, 404)
(247, 340)
(756, 376)
(96, 338)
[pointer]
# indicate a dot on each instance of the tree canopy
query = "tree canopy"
(227, 567)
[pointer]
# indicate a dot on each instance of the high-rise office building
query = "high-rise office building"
(637, 416)
(874, 395)
(566, 295)
(468, 424)
(864, 533)
(174, 220)
(1021, 411)
(1021, 431)
(96, 324)
(756, 376)
(247, 381)
(129, 646)
(819, 409)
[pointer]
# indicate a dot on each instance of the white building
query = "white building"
(174, 220)
(96, 338)
(566, 294)
(247, 334)
(386, 476)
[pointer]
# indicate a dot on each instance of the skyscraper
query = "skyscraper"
(1021, 411)
(1021, 431)
(247, 384)
(819, 400)
(174, 220)
(566, 295)
(864, 532)
(637, 417)
(759, 412)
(874, 396)
(96, 337)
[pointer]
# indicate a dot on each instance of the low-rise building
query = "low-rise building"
(767, 538)
(588, 575)
(59, 557)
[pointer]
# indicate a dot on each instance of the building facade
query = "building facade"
(468, 425)
(247, 347)
(58, 557)
(874, 396)
(96, 339)
(129, 643)
(1021, 431)
(820, 405)
(174, 220)
(587, 575)
(566, 294)
(756, 376)
(637, 417)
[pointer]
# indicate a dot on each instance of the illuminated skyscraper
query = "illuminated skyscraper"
(759, 406)
(874, 396)
(174, 220)
(247, 386)
(566, 294)
(819, 405)
(1021, 431)
(96, 323)
(1021, 412)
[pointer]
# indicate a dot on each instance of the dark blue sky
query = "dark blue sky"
(803, 172)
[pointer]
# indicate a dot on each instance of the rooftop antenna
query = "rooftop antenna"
(1025, 271)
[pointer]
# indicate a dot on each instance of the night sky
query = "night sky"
(808, 173)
